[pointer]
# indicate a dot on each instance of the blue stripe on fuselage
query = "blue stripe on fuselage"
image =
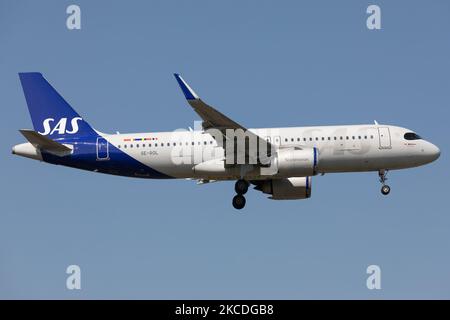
(85, 157)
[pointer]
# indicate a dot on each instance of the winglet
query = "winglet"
(187, 91)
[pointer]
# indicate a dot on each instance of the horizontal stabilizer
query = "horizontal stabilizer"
(44, 143)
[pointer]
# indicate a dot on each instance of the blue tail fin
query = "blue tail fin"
(51, 114)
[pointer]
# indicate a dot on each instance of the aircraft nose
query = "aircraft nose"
(434, 152)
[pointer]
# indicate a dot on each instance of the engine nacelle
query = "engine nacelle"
(296, 162)
(288, 188)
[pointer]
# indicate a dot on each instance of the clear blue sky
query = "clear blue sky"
(263, 63)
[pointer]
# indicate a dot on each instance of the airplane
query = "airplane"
(283, 170)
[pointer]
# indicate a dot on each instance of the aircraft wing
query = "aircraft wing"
(42, 142)
(213, 118)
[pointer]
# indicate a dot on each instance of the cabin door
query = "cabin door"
(102, 149)
(385, 137)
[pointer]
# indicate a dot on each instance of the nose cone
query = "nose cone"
(433, 152)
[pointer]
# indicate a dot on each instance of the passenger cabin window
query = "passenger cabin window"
(412, 136)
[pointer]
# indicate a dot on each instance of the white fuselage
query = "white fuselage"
(350, 148)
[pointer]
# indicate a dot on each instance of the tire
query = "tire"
(385, 190)
(241, 186)
(239, 201)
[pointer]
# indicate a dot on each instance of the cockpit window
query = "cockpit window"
(412, 136)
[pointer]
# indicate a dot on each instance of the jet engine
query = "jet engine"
(297, 162)
(287, 188)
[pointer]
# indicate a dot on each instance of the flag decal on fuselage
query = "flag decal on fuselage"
(139, 139)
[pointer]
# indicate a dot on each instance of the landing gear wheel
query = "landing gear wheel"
(241, 186)
(385, 190)
(238, 201)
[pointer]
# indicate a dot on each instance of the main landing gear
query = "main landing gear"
(241, 188)
(385, 189)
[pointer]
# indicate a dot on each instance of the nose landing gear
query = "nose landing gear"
(385, 189)
(241, 188)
